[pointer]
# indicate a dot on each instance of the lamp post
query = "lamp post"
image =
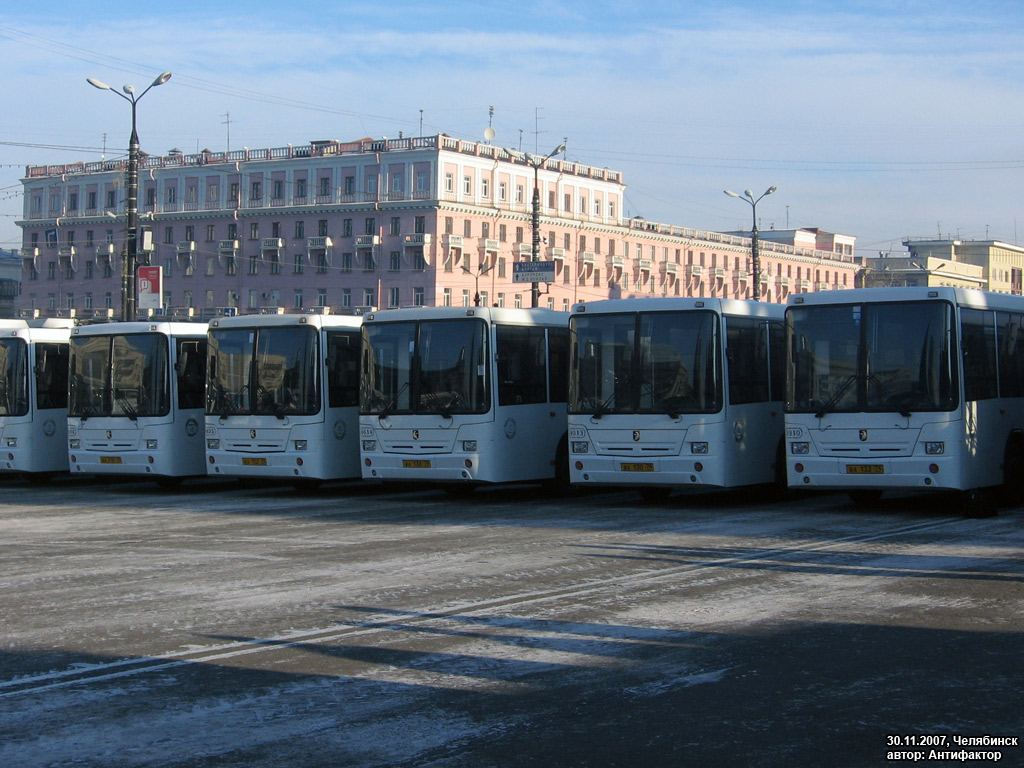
(748, 197)
(131, 243)
(535, 218)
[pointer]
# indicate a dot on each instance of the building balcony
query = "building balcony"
(417, 239)
(271, 244)
(558, 254)
(644, 265)
(227, 246)
(671, 268)
(186, 247)
(587, 257)
(66, 251)
(362, 241)
(491, 245)
(452, 241)
(783, 281)
(617, 261)
(523, 249)
(741, 274)
(696, 270)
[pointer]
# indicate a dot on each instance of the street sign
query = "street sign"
(533, 272)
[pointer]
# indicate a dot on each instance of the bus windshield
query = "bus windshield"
(119, 376)
(13, 377)
(263, 371)
(429, 366)
(849, 358)
(647, 362)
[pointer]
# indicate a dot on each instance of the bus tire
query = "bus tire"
(977, 503)
(560, 484)
(1013, 471)
(865, 498)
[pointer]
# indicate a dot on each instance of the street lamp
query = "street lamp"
(535, 218)
(748, 197)
(131, 196)
(476, 279)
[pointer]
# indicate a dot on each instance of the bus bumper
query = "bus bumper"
(920, 473)
(436, 468)
(286, 465)
(676, 471)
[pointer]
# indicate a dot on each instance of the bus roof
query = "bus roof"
(312, 319)
(141, 326)
(966, 297)
(510, 316)
(736, 307)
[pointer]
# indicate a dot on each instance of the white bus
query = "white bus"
(906, 388)
(135, 400)
(34, 396)
(464, 396)
(282, 397)
(670, 392)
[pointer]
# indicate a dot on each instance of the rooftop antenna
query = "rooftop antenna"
(104, 155)
(489, 131)
(421, 122)
(227, 122)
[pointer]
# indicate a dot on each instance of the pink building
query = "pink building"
(379, 223)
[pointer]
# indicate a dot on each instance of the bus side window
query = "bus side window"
(558, 364)
(979, 354)
(522, 369)
(342, 369)
(747, 352)
(191, 369)
(777, 359)
(51, 375)
(1011, 354)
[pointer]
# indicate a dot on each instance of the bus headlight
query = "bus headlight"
(213, 443)
(580, 447)
(74, 443)
(799, 449)
(934, 449)
(369, 445)
(699, 448)
(469, 446)
(300, 445)
(12, 442)
(151, 445)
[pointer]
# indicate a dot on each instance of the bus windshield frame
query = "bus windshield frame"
(13, 377)
(426, 367)
(877, 357)
(646, 363)
(119, 375)
(264, 371)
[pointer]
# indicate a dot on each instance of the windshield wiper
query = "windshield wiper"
(393, 403)
(129, 411)
(831, 402)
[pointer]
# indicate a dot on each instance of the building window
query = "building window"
(419, 224)
(297, 264)
(467, 185)
(396, 225)
(396, 261)
(321, 228)
(449, 182)
(297, 299)
(370, 225)
(350, 185)
(369, 297)
(300, 230)
(254, 231)
(346, 262)
(447, 300)
(325, 186)
(211, 233)
(346, 297)
(417, 297)
(321, 297)
(256, 191)
(393, 296)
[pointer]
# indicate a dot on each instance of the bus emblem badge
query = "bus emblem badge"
(636, 435)
(252, 433)
(415, 434)
(863, 435)
(109, 434)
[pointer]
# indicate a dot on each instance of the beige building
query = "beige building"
(987, 264)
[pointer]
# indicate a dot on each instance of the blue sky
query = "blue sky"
(878, 119)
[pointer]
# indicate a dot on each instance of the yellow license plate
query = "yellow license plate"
(416, 463)
(254, 462)
(644, 466)
(865, 469)
(110, 459)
